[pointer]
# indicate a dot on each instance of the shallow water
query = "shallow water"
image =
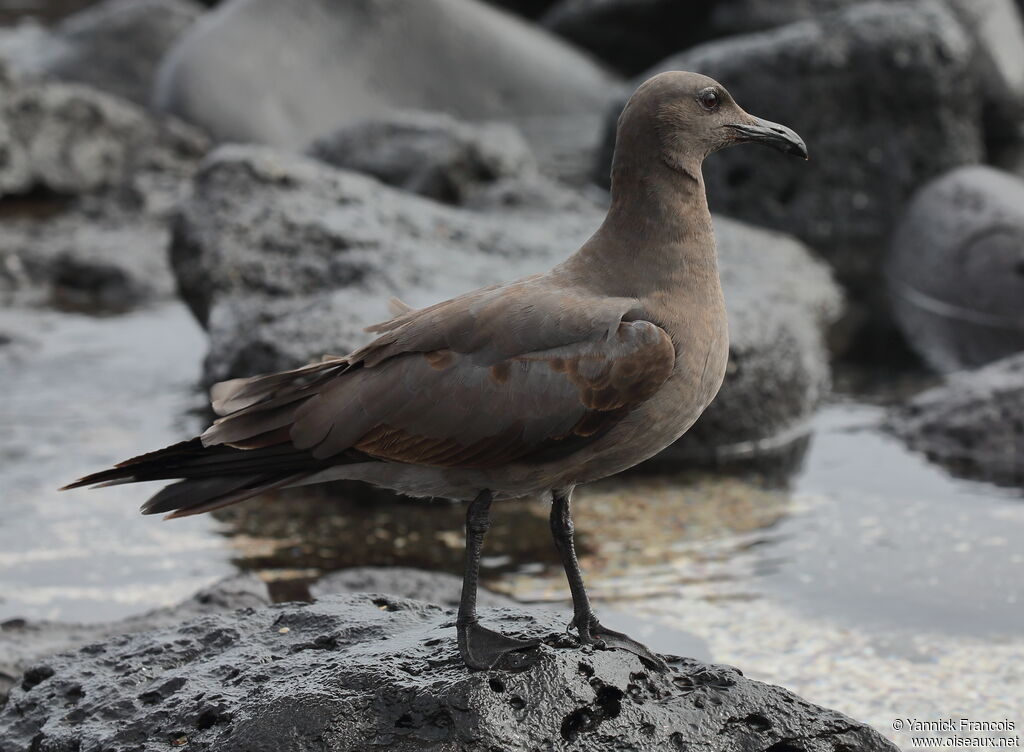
(874, 582)
(79, 394)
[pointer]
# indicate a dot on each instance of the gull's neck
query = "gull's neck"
(657, 235)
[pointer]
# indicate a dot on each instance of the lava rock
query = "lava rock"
(972, 424)
(284, 259)
(854, 85)
(994, 25)
(70, 139)
(117, 45)
(362, 672)
(630, 35)
(106, 261)
(956, 269)
(356, 60)
(428, 153)
(23, 643)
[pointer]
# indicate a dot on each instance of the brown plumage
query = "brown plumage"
(524, 388)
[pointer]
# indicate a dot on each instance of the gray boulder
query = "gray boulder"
(363, 672)
(994, 25)
(972, 423)
(956, 269)
(428, 153)
(854, 85)
(105, 259)
(630, 35)
(284, 259)
(70, 139)
(87, 180)
(116, 45)
(24, 643)
(355, 60)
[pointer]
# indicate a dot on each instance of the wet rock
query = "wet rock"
(351, 61)
(428, 153)
(366, 671)
(854, 85)
(266, 307)
(630, 35)
(24, 643)
(70, 139)
(972, 424)
(115, 45)
(956, 269)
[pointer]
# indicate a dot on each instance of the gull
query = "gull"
(520, 389)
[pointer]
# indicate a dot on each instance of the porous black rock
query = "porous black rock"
(24, 642)
(956, 269)
(854, 84)
(973, 424)
(284, 259)
(352, 60)
(428, 153)
(363, 672)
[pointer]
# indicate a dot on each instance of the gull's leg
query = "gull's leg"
(587, 626)
(483, 648)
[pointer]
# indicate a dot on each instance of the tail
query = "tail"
(213, 476)
(246, 452)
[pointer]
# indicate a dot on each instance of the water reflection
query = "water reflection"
(637, 535)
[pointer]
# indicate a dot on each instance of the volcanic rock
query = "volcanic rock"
(361, 672)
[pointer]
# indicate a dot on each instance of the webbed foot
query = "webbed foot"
(602, 638)
(483, 648)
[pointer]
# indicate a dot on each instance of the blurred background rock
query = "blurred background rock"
(282, 169)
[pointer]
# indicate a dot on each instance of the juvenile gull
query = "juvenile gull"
(530, 387)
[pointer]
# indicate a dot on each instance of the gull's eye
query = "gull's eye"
(708, 99)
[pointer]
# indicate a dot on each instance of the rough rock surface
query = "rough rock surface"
(630, 35)
(100, 259)
(266, 307)
(972, 424)
(115, 45)
(854, 85)
(23, 643)
(363, 672)
(70, 139)
(354, 60)
(432, 154)
(994, 25)
(956, 269)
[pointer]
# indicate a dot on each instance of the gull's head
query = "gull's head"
(690, 116)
